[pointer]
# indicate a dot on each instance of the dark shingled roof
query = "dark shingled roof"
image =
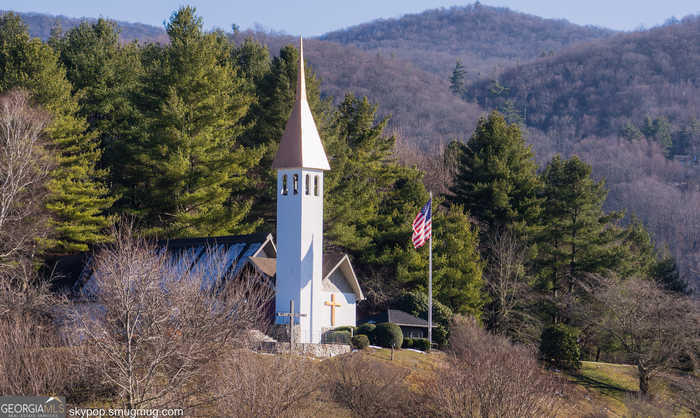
(72, 272)
(397, 317)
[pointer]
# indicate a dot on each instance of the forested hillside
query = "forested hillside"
(422, 109)
(482, 37)
(599, 88)
(40, 26)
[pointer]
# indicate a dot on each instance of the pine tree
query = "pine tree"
(497, 180)
(457, 79)
(275, 92)
(78, 197)
(457, 273)
(188, 167)
(104, 74)
(665, 273)
(577, 236)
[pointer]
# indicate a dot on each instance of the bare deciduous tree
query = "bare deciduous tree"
(24, 170)
(653, 327)
(153, 323)
(505, 279)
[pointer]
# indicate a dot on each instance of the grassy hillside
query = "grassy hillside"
(482, 37)
(40, 26)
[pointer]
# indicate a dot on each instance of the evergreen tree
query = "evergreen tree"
(275, 89)
(78, 197)
(362, 172)
(665, 273)
(104, 75)
(659, 131)
(457, 271)
(188, 166)
(497, 180)
(577, 236)
(457, 79)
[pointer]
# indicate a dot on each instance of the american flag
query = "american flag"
(423, 225)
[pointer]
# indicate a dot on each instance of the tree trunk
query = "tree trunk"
(597, 355)
(643, 379)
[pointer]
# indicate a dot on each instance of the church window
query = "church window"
(296, 184)
(284, 185)
(315, 185)
(306, 190)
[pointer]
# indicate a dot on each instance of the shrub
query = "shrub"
(349, 328)
(559, 346)
(369, 387)
(388, 335)
(421, 344)
(407, 343)
(247, 384)
(488, 376)
(337, 337)
(360, 341)
(368, 330)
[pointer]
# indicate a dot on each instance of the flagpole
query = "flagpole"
(430, 279)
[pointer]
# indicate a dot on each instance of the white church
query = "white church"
(322, 288)
(324, 300)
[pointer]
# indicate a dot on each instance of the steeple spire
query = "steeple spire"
(301, 79)
(301, 146)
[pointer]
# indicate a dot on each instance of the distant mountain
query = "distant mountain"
(40, 26)
(597, 88)
(482, 37)
(423, 110)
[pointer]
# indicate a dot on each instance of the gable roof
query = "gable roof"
(74, 272)
(301, 146)
(332, 261)
(398, 317)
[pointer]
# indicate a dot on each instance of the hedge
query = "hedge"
(337, 337)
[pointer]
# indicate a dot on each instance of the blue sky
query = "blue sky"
(314, 17)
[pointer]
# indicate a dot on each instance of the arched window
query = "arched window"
(284, 185)
(306, 185)
(296, 184)
(315, 185)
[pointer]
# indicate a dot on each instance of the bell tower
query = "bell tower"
(300, 163)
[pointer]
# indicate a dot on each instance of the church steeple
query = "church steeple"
(300, 163)
(301, 146)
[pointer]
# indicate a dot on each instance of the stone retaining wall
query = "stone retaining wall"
(315, 350)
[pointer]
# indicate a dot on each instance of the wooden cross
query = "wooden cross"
(291, 316)
(333, 305)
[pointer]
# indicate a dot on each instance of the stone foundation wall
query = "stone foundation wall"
(315, 350)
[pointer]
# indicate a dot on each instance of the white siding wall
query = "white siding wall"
(300, 250)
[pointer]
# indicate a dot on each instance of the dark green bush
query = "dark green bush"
(368, 330)
(337, 337)
(559, 346)
(421, 344)
(360, 341)
(349, 328)
(388, 335)
(407, 343)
